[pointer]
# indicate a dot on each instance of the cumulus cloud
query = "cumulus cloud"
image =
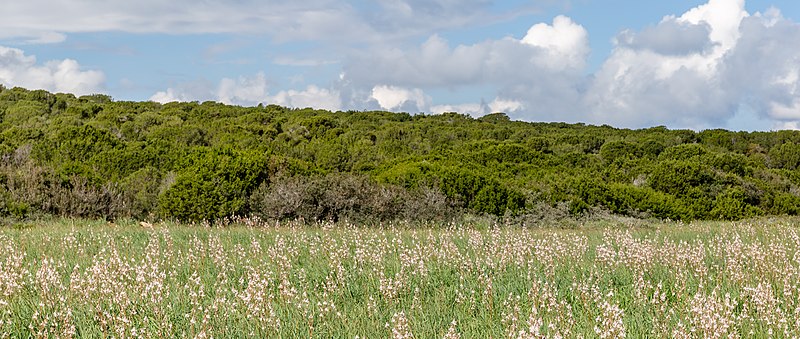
(480, 109)
(538, 77)
(169, 95)
(250, 91)
(693, 81)
(696, 70)
(670, 37)
(244, 90)
(763, 69)
(312, 96)
(564, 44)
(19, 69)
(558, 48)
(401, 99)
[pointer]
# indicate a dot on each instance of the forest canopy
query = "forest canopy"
(91, 156)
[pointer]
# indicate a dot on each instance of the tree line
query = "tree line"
(91, 156)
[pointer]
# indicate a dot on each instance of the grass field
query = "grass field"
(68, 278)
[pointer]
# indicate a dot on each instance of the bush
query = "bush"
(613, 150)
(677, 177)
(81, 143)
(628, 200)
(345, 196)
(731, 205)
(30, 188)
(478, 193)
(142, 189)
(729, 162)
(786, 156)
(215, 185)
(683, 152)
(786, 204)
(79, 198)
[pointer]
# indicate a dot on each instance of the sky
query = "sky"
(730, 64)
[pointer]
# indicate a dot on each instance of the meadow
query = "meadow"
(83, 278)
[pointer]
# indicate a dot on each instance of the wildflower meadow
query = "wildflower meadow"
(79, 278)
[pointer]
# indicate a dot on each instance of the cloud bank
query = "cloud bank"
(699, 69)
(19, 69)
(350, 22)
(695, 70)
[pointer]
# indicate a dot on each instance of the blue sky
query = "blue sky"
(680, 63)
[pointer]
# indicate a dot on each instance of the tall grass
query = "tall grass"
(68, 278)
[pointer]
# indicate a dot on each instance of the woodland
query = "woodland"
(94, 157)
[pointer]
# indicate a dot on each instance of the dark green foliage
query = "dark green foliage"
(785, 156)
(683, 152)
(479, 193)
(678, 177)
(729, 162)
(92, 156)
(81, 143)
(613, 150)
(505, 153)
(785, 204)
(731, 205)
(215, 184)
(651, 148)
(630, 200)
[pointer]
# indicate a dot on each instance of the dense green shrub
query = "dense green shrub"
(731, 205)
(479, 193)
(683, 152)
(613, 150)
(785, 204)
(678, 177)
(785, 156)
(214, 185)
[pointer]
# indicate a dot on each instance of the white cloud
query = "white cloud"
(785, 111)
(723, 16)
(400, 99)
(473, 109)
(480, 109)
(670, 73)
(751, 63)
(168, 95)
(18, 69)
(788, 125)
(36, 17)
(565, 43)
(697, 69)
(46, 38)
(312, 96)
(763, 68)
(694, 70)
(504, 105)
(670, 37)
(199, 90)
(250, 91)
(325, 20)
(243, 91)
(546, 51)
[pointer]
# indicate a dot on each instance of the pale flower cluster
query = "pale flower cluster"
(287, 280)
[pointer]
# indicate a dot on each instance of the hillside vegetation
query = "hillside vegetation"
(91, 156)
